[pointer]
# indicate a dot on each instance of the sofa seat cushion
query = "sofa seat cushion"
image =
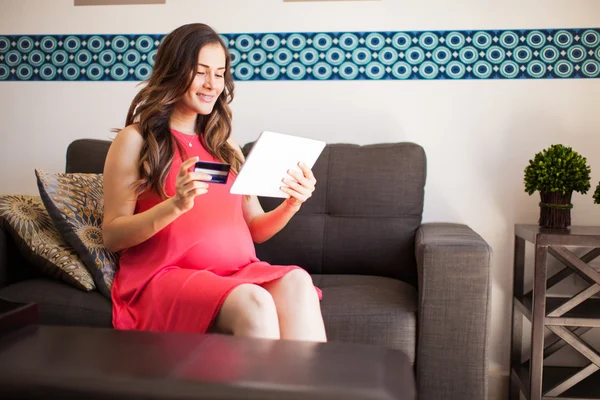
(61, 304)
(369, 309)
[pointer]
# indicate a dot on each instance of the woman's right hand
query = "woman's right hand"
(189, 185)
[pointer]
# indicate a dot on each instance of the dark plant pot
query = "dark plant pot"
(555, 210)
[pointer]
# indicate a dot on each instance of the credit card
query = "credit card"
(218, 171)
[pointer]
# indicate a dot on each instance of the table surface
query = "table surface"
(572, 236)
(105, 363)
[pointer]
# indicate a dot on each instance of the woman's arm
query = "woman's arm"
(264, 226)
(121, 227)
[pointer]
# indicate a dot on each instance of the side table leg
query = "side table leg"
(538, 314)
(516, 347)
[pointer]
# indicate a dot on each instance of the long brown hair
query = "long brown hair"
(174, 71)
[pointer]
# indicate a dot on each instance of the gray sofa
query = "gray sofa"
(386, 278)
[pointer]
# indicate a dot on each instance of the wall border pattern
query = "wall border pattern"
(426, 55)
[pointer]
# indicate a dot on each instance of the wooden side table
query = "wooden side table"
(567, 318)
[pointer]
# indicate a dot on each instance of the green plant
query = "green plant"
(597, 194)
(557, 169)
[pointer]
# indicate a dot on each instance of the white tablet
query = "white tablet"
(271, 157)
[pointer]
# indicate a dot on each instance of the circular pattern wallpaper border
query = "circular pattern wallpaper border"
(427, 55)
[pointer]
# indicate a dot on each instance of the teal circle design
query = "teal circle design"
(401, 41)
(536, 39)
(95, 72)
(4, 72)
(244, 71)
(455, 69)
(590, 68)
(270, 42)
(71, 72)
(482, 69)
(13, 58)
(576, 53)
(375, 71)
(375, 41)
(509, 69)
(4, 44)
(536, 69)
(119, 44)
(107, 58)
(348, 70)
(270, 71)
(455, 40)
(563, 39)
(598, 54)
(296, 42)
(468, 55)
(145, 43)
(25, 44)
(442, 55)
(322, 71)
(348, 41)
(429, 70)
(60, 58)
(224, 39)
(131, 58)
(428, 40)
(83, 58)
(95, 44)
(495, 54)
(244, 43)
(414, 55)
(482, 40)
(509, 39)
(322, 42)
(309, 56)
(335, 56)
(563, 69)
(24, 72)
(48, 44)
(402, 70)
(549, 54)
(72, 44)
(283, 57)
(590, 38)
(152, 57)
(119, 72)
(295, 71)
(36, 58)
(361, 56)
(522, 54)
(143, 71)
(388, 56)
(47, 72)
(235, 57)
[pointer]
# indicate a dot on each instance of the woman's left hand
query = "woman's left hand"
(299, 185)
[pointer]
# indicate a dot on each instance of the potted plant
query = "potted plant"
(556, 172)
(597, 194)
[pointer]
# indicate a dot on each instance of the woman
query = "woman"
(188, 262)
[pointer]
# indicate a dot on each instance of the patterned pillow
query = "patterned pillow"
(29, 224)
(75, 203)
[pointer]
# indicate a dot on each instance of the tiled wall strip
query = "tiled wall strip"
(486, 54)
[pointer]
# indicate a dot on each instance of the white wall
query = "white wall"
(478, 135)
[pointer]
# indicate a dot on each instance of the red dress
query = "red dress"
(178, 279)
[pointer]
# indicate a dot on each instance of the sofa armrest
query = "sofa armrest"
(5, 241)
(453, 265)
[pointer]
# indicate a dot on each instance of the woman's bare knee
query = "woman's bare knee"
(249, 310)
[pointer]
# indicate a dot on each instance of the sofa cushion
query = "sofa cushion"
(75, 203)
(61, 304)
(369, 309)
(33, 232)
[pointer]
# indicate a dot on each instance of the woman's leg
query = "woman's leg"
(248, 310)
(298, 307)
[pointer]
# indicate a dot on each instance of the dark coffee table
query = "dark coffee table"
(92, 363)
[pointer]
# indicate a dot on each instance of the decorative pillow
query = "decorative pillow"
(27, 221)
(75, 203)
